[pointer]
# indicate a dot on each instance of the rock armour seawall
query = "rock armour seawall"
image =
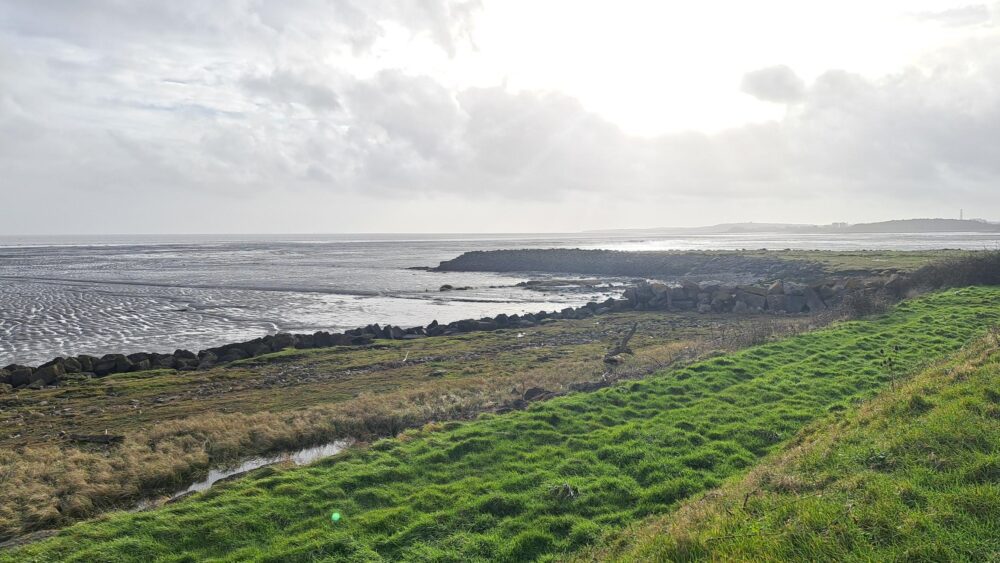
(705, 297)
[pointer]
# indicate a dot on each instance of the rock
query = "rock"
(206, 359)
(826, 291)
(536, 393)
(814, 302)
(137, 357)
(321, 339)
(776, 288)
(142, 365)
(795, 303)
(72, 365)
(446, 287)
(683, 304)
(4, 376)
(396, 333)
(792, 288)
(233, 354)
(185, 355)
(753, 290)
(283, 340)
(165, 361)
(304, 342)
(19, 375)
(776, 303)
(112, 363)
(86, 362)
(755, 302)
(740, 308)
(48, 373)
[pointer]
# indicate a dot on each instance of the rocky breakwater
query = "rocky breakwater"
(778, 297)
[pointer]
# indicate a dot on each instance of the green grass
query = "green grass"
(550, 480)
(911, 476)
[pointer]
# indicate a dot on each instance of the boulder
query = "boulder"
(19, 375)
(165, 361)
(142, 365)
(776, 288)
(814, 301)
(321, 339)
(206, 359)
(283, 340)
(233, 354)
(755, 302)
(304, 342)
(72, 365)
(86, 362)
(795, 303)
(112, 363)
(49, 373)
(776, 303)
(4, 376)
(753, 290)
(137, 357)
(792, 288)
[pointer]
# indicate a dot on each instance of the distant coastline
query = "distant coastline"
(896, 226)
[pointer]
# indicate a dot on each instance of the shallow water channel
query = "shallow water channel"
(304, 456)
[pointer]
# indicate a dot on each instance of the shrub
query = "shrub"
(974, 268)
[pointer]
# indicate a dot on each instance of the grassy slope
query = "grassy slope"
(548, 480)
(177, 425)
(911, 476)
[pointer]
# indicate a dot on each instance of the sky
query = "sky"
(325, 116)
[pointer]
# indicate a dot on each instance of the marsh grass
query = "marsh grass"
(495, 488)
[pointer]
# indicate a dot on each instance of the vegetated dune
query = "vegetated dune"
(913, 475)
(554, 478)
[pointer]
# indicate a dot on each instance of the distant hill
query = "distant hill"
(921, 226)
(894, 226)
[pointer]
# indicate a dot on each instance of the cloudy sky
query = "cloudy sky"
(135, 116)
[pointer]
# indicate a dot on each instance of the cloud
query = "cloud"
(973, 14)
(777, 84)
(166, 116)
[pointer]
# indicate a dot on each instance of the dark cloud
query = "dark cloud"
(774, 84)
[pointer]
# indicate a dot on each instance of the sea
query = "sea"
(69, 295)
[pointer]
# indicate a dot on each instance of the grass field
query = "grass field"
(913, 475)
(179, 424)
(553, 479)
